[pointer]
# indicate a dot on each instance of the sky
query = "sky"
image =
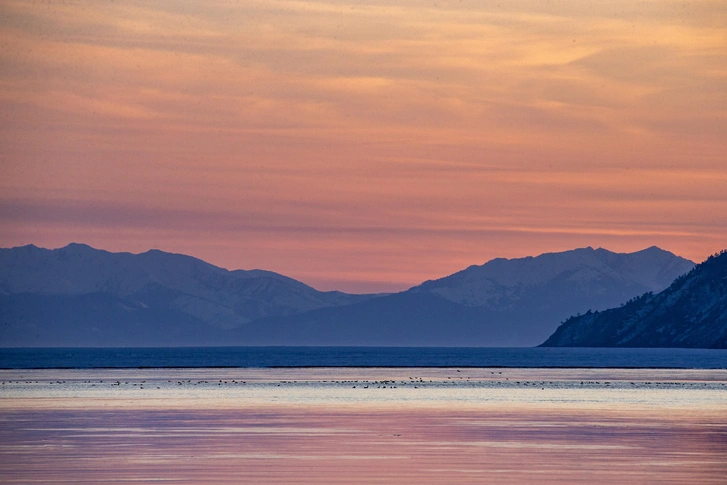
(364, 146)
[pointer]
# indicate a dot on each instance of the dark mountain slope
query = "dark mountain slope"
(97, 320)
(403, 319)
(691, 313)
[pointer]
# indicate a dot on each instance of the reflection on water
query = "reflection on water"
(363, 426)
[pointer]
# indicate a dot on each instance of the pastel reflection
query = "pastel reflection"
(77, 433)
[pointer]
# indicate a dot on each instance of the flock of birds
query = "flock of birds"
(412, 382)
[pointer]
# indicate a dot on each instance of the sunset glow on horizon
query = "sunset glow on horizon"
(364, 146)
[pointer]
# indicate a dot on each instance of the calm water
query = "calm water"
(363, 425)
(361, 357)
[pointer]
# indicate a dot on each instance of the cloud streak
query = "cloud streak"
(367, 141)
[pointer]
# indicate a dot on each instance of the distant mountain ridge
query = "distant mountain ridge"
(692, 312)
(80, 296)
(496, 284)
(160, 280)
(504, 302)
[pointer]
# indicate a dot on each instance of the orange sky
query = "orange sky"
(364, 146)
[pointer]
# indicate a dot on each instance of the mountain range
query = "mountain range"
(80, 296)
(504, 302)
(692, 312)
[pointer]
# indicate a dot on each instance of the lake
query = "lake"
(362, 425)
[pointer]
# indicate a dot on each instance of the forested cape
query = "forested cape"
(690, 313)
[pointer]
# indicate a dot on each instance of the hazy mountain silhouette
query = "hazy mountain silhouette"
(83, 296)
(505, 302)
(77, 295)
(692, 312)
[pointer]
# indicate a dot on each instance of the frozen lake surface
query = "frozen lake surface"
(363, 425)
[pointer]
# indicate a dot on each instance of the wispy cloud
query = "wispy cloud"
(421, 135)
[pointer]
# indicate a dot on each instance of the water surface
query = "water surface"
(363, 425)
(196, 357)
